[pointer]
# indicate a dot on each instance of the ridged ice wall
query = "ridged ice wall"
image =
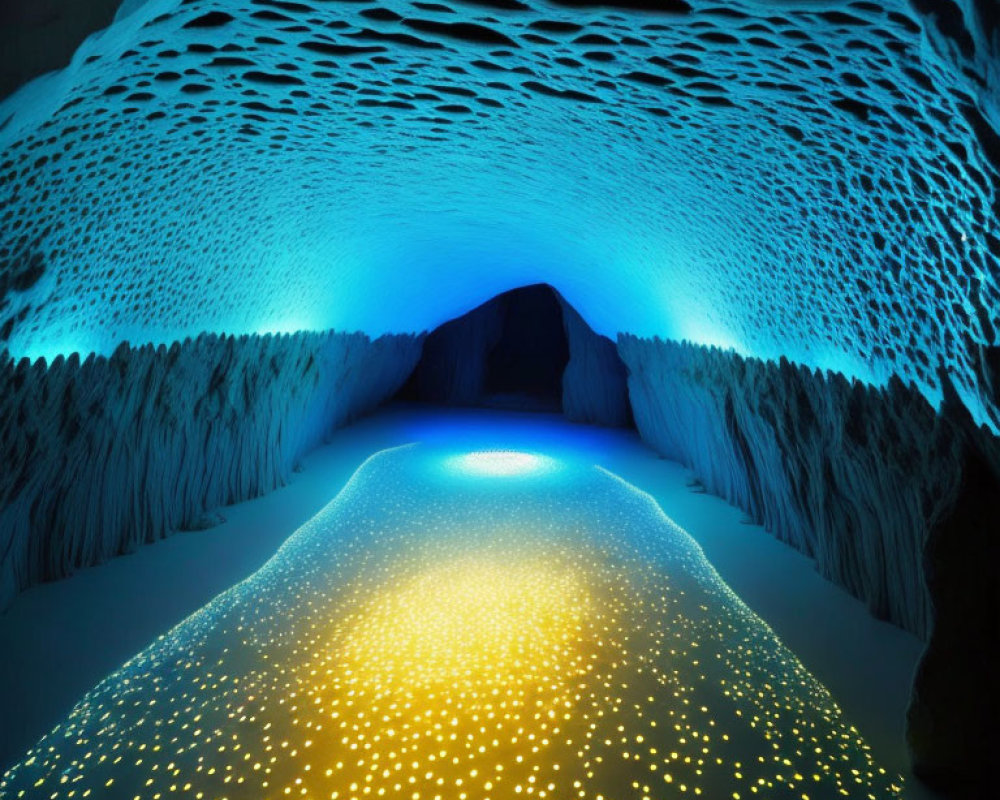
(595, 390)
(894, 500)
(103, 455)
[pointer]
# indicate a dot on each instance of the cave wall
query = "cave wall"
(452, 369)
(783, 178)
(103, 455)
(894, 499)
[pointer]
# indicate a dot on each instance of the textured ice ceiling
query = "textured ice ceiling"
(807, 179)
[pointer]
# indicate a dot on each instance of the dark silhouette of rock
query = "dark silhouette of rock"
(452, 368)
(951, 730)
(532, 352)
(509, 352)
(595, 388)
(526, 349)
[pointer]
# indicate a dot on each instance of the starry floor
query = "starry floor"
(488, 624)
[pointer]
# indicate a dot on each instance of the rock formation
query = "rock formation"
(527, 343)
(452, 369)
(595, 386)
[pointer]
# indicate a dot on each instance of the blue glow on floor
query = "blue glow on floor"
(431, 636)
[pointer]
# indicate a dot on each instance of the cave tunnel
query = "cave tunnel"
(514, 352)
(499, 398)
(511, 351)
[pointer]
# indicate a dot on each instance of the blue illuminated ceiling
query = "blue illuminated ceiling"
(812, 180)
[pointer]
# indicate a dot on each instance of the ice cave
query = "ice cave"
(499, 399)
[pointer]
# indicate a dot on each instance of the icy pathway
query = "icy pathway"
(483, 624)
(60, 639)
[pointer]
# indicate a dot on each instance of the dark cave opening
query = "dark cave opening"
(531, 354)
(526, 349)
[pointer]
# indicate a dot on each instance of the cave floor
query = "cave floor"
(60, 639)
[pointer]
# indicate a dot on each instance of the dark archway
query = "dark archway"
(525, 349)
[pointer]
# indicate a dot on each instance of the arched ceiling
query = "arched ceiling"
(802, 179)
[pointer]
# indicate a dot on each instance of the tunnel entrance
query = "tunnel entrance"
(525, 349)
(510, 352)
(532, 351)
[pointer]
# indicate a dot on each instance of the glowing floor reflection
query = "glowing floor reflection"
(438, 633)
(497, 463)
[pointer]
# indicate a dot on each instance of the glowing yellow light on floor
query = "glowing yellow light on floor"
(501, 463)
(476, 621)
(465, 640)
(456, 677)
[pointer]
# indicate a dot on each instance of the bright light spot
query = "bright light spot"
(476, 623)
(501, 463)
